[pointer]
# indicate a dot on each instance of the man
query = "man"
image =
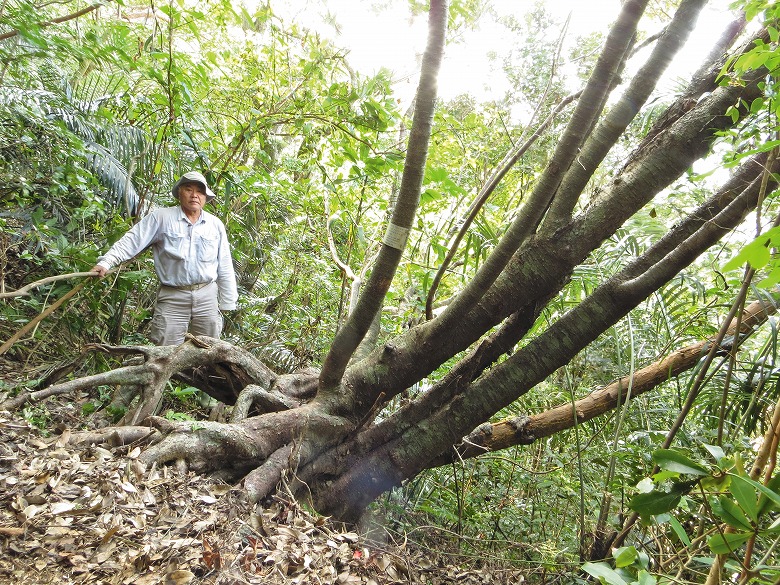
(191, 258)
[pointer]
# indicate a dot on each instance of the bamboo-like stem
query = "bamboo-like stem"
(45, 313)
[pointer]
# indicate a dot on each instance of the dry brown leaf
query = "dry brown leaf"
(348, 536)
(180, 577)
(99, 517)
(104, 552)
(348, 579)
(31, 511)
(62, 507)
(42, 477)
(38, 444)
(211, 556)
(219, 489)
(152, 578)
(111, 532)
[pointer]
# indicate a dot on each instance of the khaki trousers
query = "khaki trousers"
(178, 311)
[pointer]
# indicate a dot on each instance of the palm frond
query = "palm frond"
(109, 151)
(114, 176)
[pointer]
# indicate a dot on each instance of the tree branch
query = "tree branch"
(45, 313)
(607, 133)
(506, 382)
(588, 109)
(25, 290)
(58, 20)
(526, 430)
(349, 337)
(497, 176)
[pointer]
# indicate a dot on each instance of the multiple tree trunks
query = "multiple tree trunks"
(320, 429)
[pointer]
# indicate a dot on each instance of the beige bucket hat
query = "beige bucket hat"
(192, 177)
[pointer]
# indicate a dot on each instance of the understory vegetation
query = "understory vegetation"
(103, 110)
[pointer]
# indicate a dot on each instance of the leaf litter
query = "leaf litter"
(92, 515)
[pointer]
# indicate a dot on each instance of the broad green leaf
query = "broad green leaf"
(756, 254)
(732, 514)
(671, 460)
(717, 452)
(768, 492)
(658, 502)
(679, 531)
(624, 556)
(745, 495)
(757, 105)
(665, 475)
(645, 578)
(437, 174)
(771, 280)
(429, 196)
(653, 503)
(725, 543)
(765, 503)
(604, 573)
(349, 152)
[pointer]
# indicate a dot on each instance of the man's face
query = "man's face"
(192, 197)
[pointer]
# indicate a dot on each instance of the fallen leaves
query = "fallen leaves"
(92, 515)
(97, 516)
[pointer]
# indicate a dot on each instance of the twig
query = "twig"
(65, 18)
(25, 290)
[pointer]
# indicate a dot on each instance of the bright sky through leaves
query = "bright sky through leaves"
(383, 34)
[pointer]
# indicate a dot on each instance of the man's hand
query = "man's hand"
(99, 270)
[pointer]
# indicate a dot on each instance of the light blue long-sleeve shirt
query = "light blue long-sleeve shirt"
(185, 253)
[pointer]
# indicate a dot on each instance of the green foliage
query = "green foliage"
(103, 400)
(759, 130)
(38, 416)
(183, 394)
(740, 509)
(110, 120)
(177, 416)
(631, 568)
(115, 413)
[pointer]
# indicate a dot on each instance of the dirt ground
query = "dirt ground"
(96, 515)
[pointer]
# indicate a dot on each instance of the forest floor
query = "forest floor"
(78, 514)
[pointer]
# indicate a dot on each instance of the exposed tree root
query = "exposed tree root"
(260, 449)
(265, 400)
(205, 447)
(263, 480)
(116, 436)
(260, 446)
(216, 367)
(134, 375)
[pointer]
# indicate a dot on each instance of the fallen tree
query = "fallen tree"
(321, 429)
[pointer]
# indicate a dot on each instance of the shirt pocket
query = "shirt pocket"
(207, 247)
(173, 245)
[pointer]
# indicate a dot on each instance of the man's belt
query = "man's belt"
(190, 287)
